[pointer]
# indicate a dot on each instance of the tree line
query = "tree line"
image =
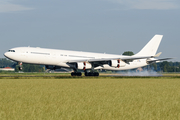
(26, 67)
(30, 68)
(6, 63)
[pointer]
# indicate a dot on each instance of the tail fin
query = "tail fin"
(151, 47)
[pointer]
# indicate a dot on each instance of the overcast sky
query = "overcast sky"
(110, 26)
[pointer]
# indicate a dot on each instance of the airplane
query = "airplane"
(86, 61)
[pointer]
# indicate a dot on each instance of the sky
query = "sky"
(103, 26)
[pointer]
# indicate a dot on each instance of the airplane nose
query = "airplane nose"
(5, 54)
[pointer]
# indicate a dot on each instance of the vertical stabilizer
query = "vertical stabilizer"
(151, 47)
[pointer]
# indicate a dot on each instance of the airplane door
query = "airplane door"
(54, 55)
(23, 54)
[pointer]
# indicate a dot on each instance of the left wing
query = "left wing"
(108, 59)
(124, 58)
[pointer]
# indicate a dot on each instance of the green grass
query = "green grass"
(90, 99)
(41, 74)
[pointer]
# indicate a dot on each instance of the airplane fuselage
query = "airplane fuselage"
(61, 58)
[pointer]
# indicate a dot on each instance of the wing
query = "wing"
(124, 58)
(102, 61)
(108, 59)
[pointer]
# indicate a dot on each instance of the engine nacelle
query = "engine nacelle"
(83, 65)
(117, 63)
(122, 63)
(113, 63)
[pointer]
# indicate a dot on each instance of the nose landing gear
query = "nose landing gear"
(20, 66)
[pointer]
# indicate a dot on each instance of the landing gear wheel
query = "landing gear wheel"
(91, 74)
(76, 74)
(20, 68)
(96, 74)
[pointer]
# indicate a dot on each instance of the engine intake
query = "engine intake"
(83, 65)
(117, 63)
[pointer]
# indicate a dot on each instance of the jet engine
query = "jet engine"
(117, 63)
(83, 65)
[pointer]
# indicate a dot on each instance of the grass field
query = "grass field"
(90, 99)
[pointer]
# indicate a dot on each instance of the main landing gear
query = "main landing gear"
(76, 74)
(91, 74)
(86, 74)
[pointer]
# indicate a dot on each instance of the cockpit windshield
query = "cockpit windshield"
(11, 50)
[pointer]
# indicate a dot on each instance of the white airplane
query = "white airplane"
(87, 61)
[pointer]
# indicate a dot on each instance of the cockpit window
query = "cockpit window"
(11, 50)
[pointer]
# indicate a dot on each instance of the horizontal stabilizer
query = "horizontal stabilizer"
(157, 55)
(157, 60)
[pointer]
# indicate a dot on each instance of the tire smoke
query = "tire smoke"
(142, 73)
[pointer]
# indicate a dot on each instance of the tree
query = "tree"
(6, 63)
(128, 53)
(165, 66)
(154, 66)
